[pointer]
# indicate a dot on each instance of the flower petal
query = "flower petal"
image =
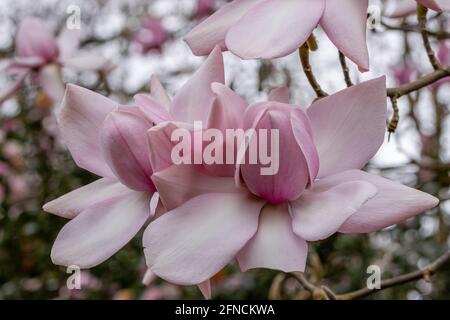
(71, 204)
(178, 184)
(186, 246)
(35, 39)
(394, 202)
(349, 126)
(68, 42)
(275, 245)
(193, 102)
(436, 5)
(125, 147)
(101, 230)
(400, 8)
(258, 33)
(345, 23)
(280, 95)
(205, 288)
(82, 113)
(227, 109)
(290, 173)
(154, 111)
(159, 93)
(211, 32)
(51, 81)
(161, 145)
(318, 215)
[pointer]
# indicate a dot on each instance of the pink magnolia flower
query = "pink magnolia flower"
(271, 28)
(151, 36)
(110, 140)
(403, 8)
(41, 55)
(204, 8)
(266, 221)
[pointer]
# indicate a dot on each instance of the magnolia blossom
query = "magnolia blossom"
(266, 221)
(272, 28)
(151, 36)
(110, 140)
(403, 8)
(41, 55)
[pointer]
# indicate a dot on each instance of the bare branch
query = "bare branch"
(425, 273)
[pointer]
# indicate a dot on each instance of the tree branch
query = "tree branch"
(345, 70)
(420, 83)
(422, 17)
(304, 58)
(402, 279)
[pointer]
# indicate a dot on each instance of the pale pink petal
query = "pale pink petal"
(205, 288)
(159, 93)
(161, 145)
(50, 80)
(26, 62)
(211, 32)
(319, 214)
(192, 243)
(436, 5)
(72, 203)
(227, 109)
(35, 39)
(345, 23)
(349, 126)
(68, 42)
(149, 277)
(400, 8)
(301, 127)
(81, 116)
(153, 110)
(290, 174)
(280, 95)
(193, 102)
(125, 148)
(274, 28)
(394, 202)
(101, 230)
(178, 184)
(274, 246)
(88, 62)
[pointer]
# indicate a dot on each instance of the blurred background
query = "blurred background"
(144, 37)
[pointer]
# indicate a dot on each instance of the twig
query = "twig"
(304, 58)
(420, 83)
(345, 70)
(439, 35)
(392, 126)
(402, 279)
(422, 17)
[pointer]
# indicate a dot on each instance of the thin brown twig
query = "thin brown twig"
(420, 83)
(393, 123)
(345, 70)
(304, 58)
(422, 18)
(425, 273)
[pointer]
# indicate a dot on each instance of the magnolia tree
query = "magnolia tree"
(292, 149)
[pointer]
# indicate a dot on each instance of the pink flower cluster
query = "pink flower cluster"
(199, 218)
